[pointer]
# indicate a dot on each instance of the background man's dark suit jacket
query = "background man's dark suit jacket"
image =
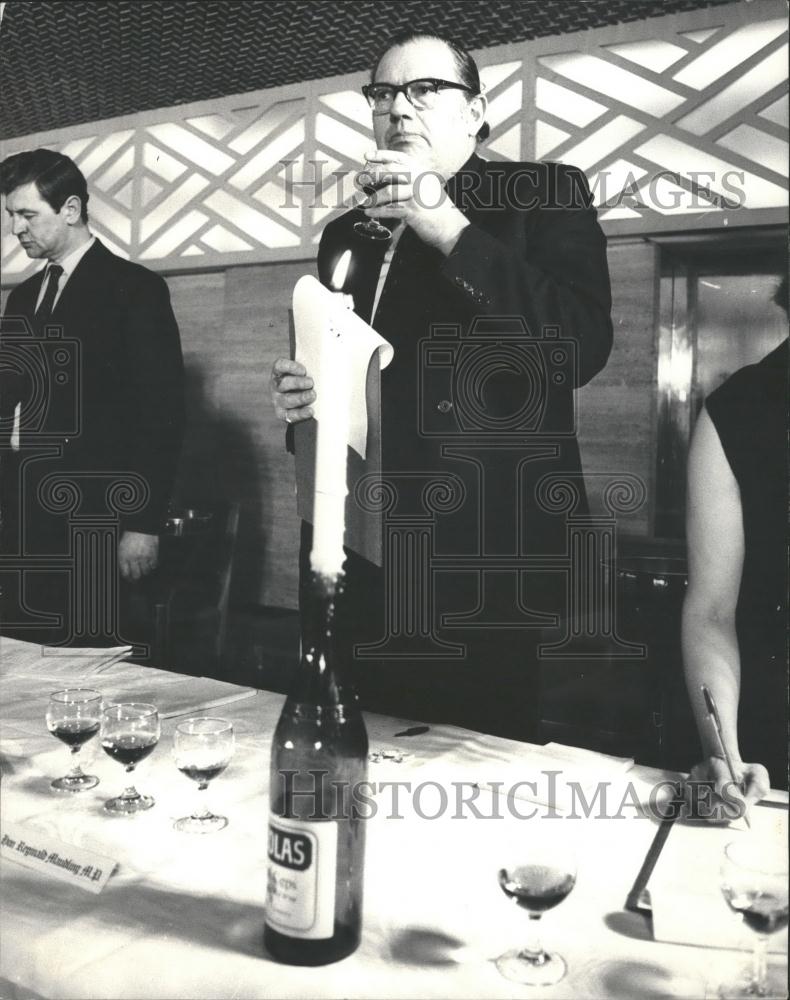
(118, 318)
(534, 251)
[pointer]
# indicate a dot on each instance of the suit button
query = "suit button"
(444, 406)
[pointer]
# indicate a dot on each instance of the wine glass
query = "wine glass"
(202, 749)
(372, 229)
(129, 733)
(74, 716)
(754, 882)
(539, 878)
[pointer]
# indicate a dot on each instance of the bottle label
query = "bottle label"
(300, 896)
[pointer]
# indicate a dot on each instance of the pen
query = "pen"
(414, 731)
(713, 715)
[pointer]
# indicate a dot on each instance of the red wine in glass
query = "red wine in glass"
(129, 749)
(129, 734)
(202, 749)
(76, 732)
(202, 774)
(73, 716)
(535, 887)
(754, 882)
(537, 883)
(762, 912)
(372, 229)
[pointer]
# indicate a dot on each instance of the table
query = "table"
(182, 916)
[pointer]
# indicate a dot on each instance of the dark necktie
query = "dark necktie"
(44, 311)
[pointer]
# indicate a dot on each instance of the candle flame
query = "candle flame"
(341, 271)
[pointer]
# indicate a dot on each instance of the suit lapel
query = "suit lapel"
(82, 285)
(28, 294)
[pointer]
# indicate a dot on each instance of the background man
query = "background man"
(124, 358)
(508, 244)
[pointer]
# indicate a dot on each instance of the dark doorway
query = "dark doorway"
(716, 315)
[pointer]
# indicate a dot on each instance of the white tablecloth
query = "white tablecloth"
(183, 915)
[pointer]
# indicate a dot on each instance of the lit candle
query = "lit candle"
(327, 556)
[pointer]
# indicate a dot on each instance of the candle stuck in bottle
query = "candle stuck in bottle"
(327, 556)
(338, 281)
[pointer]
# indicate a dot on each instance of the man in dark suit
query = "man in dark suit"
(494, 292)
(92, 396)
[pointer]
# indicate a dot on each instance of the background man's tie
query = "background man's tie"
(44, 311)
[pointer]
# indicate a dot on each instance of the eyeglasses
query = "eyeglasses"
(419, 93)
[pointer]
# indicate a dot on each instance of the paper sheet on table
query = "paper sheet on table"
(685, 898)
(173, 694)
(369, 353)
(568, 779)
(25, 696)
(30, 659)
(180, 695)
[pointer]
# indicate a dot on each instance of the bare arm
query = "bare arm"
(714, 529)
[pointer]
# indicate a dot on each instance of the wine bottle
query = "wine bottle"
(316, 837)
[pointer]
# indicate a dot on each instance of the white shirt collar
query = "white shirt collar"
(70, 262)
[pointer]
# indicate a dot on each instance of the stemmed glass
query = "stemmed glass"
(754, 882)
(74, 716)
(202, 749)
(129, 733)
(538, 879)
(372, 229)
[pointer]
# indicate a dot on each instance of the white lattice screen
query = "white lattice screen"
(680, 122)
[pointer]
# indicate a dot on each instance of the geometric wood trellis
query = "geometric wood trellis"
(679, 122)
(673, 127)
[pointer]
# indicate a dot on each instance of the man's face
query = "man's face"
(442, 136)
(41, 230)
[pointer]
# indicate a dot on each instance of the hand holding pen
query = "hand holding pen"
(733, 782)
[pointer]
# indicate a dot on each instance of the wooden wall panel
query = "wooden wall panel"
(234, 324)
(616, 411)
(256, 332)
(199, 304)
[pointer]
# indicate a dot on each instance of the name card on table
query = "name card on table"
(43, 853)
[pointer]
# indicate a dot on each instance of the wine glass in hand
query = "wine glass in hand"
(372, 229)
(74, 716)
(202, 749)
(538, 879)
(129, 733)
(754, 883)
